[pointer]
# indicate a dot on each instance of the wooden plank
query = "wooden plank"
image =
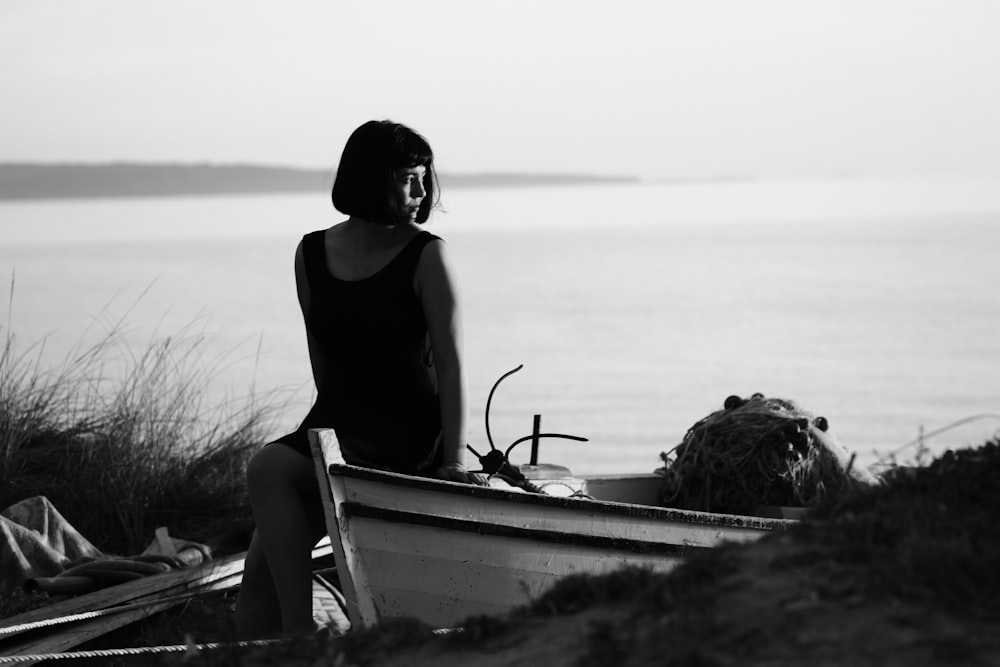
(217, 574)
(435, 608)
(374, 488)
(325, 452)
(168, 583)
(597, 537)
(61, 638)
(329, 609)
(484, 558)
(585, 518)
(444, 576)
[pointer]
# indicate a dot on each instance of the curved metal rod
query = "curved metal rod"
(489, 400)
(540, 436)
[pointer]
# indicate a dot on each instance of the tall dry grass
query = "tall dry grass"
(123, 442)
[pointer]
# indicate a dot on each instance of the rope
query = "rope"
(142, 650)
(86, 615)
(150, 650)
(573, 493)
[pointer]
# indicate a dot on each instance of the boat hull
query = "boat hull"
(442, 551)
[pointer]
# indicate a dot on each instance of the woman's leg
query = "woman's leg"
(258, 612)
(283, 492)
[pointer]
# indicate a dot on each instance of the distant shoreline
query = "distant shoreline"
(28, 181)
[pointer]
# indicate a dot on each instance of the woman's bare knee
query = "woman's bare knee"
(277, 468)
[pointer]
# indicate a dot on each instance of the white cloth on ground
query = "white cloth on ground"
(37, 541)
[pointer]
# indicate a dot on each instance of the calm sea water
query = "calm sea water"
(635, 309)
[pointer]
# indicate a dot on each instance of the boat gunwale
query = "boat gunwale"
(569, 538)
(631, 510)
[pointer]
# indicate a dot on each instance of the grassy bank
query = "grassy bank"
(122, 442)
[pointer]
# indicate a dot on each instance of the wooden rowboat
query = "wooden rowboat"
(442, 551)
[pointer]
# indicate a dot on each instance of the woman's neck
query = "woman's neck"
(364, 234)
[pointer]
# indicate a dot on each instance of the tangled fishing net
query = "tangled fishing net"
(757, 451)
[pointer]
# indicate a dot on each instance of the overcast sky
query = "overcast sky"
(692, 89)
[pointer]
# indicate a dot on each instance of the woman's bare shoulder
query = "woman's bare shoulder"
(434, 266)
(435, 251)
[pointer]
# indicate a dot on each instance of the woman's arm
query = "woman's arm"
(302, 287)
(436, 286)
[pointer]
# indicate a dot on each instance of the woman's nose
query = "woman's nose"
(417, 189)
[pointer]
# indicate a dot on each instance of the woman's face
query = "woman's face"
(410, 187)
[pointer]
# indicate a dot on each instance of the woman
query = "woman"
(382, 324)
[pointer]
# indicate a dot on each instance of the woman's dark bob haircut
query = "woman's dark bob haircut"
(374, 155)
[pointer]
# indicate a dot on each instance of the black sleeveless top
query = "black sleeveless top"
(379, 389)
